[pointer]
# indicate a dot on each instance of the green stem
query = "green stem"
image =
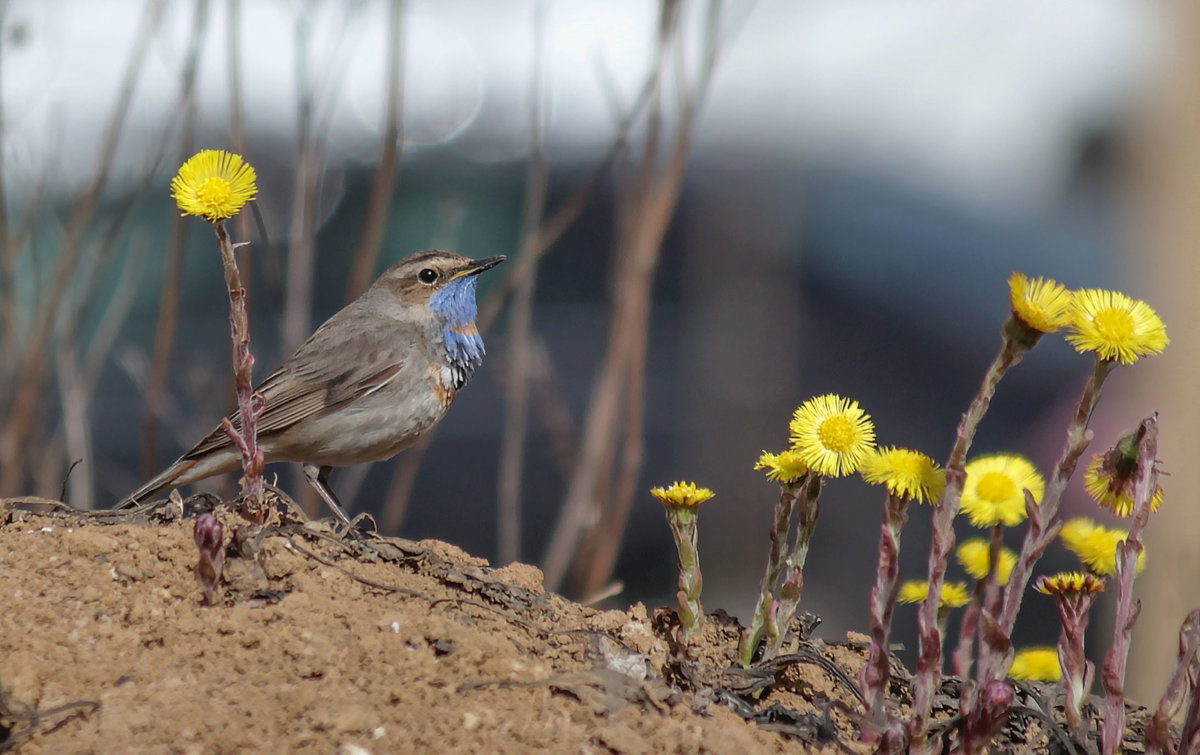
(807, 510)
(683, 527)
(788, 493)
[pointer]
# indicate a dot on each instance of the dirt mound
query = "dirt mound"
(323, 643)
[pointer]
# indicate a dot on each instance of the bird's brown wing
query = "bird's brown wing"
(335, 367)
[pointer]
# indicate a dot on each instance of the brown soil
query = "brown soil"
(369, 645)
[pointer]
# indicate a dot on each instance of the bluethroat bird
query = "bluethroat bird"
(366, 385)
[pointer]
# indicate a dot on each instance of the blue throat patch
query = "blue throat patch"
(455, 303)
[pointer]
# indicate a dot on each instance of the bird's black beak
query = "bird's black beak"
(478, 266)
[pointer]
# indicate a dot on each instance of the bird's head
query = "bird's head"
(445, 283)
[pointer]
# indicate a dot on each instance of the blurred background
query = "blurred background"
(713, 212)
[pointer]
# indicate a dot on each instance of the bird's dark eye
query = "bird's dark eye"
(428, 276)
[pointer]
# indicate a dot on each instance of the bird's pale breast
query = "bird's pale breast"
(373, 428)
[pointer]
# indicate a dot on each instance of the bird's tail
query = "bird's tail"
(166, 481)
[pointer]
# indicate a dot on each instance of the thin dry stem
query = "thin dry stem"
(301, 248)
(75, 422)
(242, 224)
(7, 276)
(399, 492)
(551, 407)
(645, 209)
(24, 406)
(520, 322)
(383, 186)
(76, 369)
(603, 544)
(169, 299)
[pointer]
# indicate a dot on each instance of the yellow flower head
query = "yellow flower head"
(213, 185)
(684, 494)
(995, 489)
(1041, 303)
(1110, 481)
(1115, 326)
(954, 594)
(1069, 582)
(1096, 545)
(1036, 665)
(908, 474)
(975, 556)
(832, 435)
(786, 467)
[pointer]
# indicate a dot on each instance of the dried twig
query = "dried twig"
(520, 320)
(519, 270)
(24, 406)
(645, 206)
(383, 186)
(172, 286)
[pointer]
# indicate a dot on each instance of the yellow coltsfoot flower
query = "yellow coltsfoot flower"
(1069, 582)
(833, 435)
(1096, 545)
(786, 467)
(1039, 664)
(1041, 303)
(214, 185)
(995, 489)
(908, 474)
(684, 494)
(1110, 480)
(954, 594)
(975, 556)
(1115, 327)
(681, 501)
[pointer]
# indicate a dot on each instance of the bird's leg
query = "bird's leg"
(319, 479)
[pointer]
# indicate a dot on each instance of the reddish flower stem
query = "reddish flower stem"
(877, 670)
(929, 659)
(1037, 539)
(1128, 551)
(208, 536)
(995, 657)
(1187, 666)
(985, 594)
(997, 698)
(991, 583)
(250, 404)
(961, 663)
(1077, 670)
(1189, 738)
